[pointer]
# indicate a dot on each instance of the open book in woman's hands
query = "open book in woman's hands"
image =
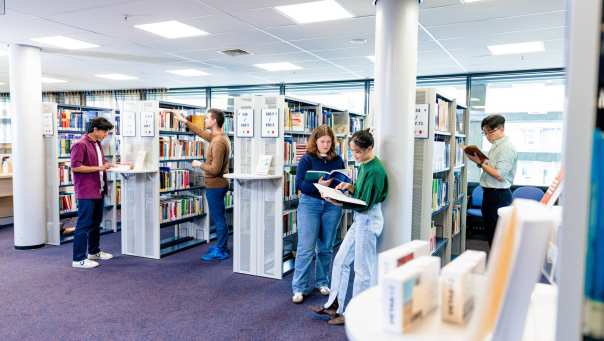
(328, 192)
(474, 150)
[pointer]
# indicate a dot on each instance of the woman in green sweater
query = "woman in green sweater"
(360, 244)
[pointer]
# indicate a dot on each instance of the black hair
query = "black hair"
(493, 122)
(100, 123)
(362, 138)
(218, 115)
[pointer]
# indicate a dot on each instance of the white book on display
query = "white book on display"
(398, 256)
(139, 161)
(336, 195)
(409, 293)
(264, 164)
(514, 268)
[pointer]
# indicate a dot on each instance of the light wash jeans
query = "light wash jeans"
(359, 246)
(318, 223)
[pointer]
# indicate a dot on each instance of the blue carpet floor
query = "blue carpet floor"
(131, 298)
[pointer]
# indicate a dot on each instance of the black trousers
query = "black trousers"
(492, 200)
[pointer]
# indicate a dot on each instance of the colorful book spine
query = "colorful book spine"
(168, 121)
(289, 223)
(289, 186)
(440, 190)
(64, 173)
(70, 120)
(67, 202)
(64, 144)
(441, 119)
(180, 207)
(174, 179)
(179, 147)
(229, 125)
(440, 159)
(398, 256)
(228, 199)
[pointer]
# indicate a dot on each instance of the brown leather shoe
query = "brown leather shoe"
(337, 321)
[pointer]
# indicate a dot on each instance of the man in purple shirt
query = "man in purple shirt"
(90, 181)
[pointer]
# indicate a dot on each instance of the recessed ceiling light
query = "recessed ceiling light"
(48, 80)
(116, 76)
(284, 66)
(371, 58)
(517, 48)
(358, 41)
(469, 1)
(188, 72)
(64, 43)
(315, 11)
(172, 29)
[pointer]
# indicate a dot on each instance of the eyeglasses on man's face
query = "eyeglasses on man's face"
(489, 132)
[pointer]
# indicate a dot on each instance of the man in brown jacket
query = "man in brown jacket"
(215, 167)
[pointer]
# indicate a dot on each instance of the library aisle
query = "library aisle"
(176, 298)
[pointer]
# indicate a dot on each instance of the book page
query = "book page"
(338, 196)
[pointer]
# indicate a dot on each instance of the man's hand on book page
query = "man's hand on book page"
(325, 182)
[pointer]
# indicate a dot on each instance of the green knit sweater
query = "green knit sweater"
(371, 185)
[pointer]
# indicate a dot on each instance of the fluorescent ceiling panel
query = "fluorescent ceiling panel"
(116, 76)
(517, 48)
(172, 29)
(469, 1)
(283, 66)
(48, 80)
(315, 11)
(64, 43)
(188, 72)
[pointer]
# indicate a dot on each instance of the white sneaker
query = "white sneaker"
(324, 291)
(100, 256)
(298, 298)
(85, 264)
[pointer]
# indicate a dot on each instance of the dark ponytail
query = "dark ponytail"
(362, 138)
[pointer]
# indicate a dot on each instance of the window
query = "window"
(224, 97)
(532, 105)
(340, 95)
(194, 97)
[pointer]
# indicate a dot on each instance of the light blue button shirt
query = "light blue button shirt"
(503, 157)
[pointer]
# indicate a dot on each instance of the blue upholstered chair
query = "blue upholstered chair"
(474, 214)
(528, 192)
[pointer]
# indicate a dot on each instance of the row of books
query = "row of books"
(67, 202)
(65, 142)
(73, 120)
(440, 190)
(356, 124)
(297, 120)
(168, 121)
(173, 179)
(440, 159)
(64, 173)
(460, 123)
(327, 118)
(228, 199)
(294, 149)
(179, 207)
(229, 125)
(456, 221)
(441, 119)
(457, 185)
(342, 148)
(289, 186)
(177, 147)
(290, 226)
(459, 155)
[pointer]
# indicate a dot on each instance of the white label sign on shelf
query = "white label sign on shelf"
(147, 124)
(128, 124)
(422, 120)
(245, 122)
(47, 124)
(270, 122)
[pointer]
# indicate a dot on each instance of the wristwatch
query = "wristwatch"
(479, 164)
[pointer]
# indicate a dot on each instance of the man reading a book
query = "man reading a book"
(498, 171)
(216, 165)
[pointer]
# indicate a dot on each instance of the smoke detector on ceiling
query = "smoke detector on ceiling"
(234, 52)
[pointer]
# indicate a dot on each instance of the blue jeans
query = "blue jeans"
(318, 223)
(359, 246)
(88, 228)
(215, 198)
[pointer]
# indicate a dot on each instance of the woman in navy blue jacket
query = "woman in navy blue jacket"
(318, 220)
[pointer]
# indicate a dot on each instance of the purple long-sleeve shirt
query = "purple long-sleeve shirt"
(87, 185)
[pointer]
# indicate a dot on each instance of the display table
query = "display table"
(364, 320)
(140, 217)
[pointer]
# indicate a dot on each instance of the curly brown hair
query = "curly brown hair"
(320, 131)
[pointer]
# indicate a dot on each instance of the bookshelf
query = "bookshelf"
(440, 175)
(182, 206)
(65, 124)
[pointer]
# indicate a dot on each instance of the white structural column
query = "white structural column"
(28, 147)
(396, 30)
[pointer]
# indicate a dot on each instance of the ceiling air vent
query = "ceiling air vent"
(235, 52)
